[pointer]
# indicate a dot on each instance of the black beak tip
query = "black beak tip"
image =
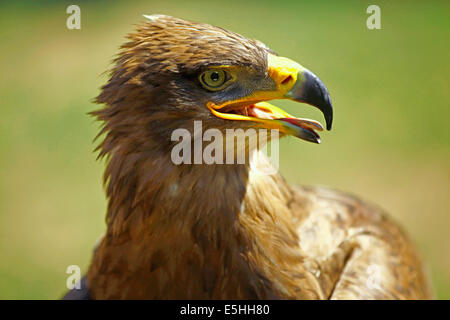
(311, 90)
(329, 114)
(316, 94)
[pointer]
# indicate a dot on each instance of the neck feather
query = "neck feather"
(223, 231)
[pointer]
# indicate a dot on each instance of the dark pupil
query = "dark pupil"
(215, 76)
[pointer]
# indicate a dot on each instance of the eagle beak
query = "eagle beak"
(301, 85)
(310, 89)
(292, 81)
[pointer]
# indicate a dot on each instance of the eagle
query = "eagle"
(227, 230)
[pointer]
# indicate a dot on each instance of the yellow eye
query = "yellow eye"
(214, 80)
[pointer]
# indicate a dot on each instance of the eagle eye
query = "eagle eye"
(214, 79)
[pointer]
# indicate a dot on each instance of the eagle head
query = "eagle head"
(172, 72)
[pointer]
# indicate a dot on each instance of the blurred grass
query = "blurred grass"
(390, 142)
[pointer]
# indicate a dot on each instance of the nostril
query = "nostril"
(287, 80)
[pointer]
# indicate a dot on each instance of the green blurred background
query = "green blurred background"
(390, 142)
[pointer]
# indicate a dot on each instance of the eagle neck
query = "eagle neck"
(198, 224)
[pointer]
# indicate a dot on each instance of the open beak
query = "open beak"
(292, 81)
